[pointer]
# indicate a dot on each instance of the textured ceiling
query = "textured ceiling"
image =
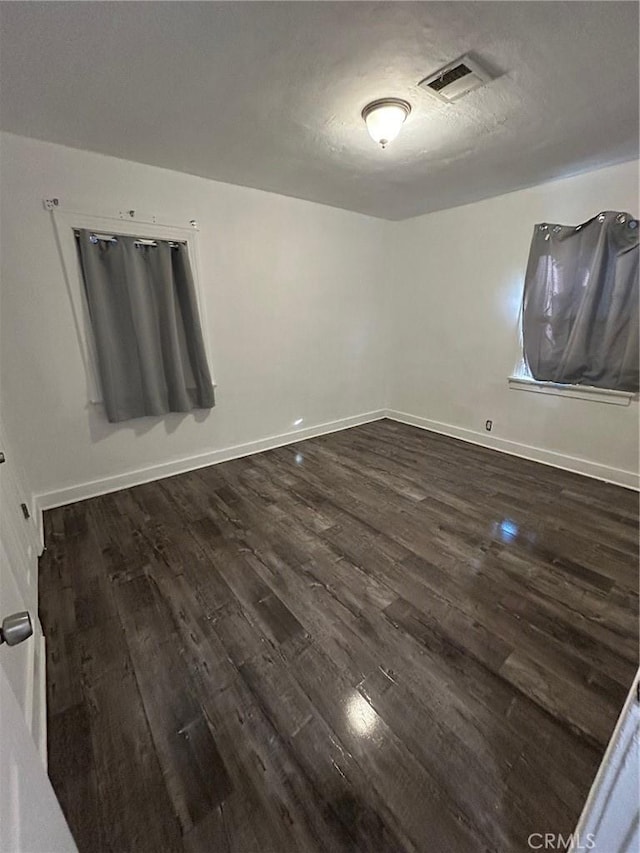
(269, 95)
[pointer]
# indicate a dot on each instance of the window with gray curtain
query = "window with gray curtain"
(144, 316)
(580, 305)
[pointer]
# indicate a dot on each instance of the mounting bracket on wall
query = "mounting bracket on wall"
(148, 218)
(130, 214)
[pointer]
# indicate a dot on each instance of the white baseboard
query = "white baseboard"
(618, 476)
(93, 488)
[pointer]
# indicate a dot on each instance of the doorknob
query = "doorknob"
(16, 628)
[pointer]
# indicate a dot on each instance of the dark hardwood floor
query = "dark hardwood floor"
(378, 640)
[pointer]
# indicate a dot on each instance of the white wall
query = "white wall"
(314, 313)
(292, 295)
(454, 342)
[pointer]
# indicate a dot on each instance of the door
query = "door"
(610, 821)
(31, 820)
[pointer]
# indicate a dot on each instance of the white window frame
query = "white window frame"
(65, 222)
(579, 392)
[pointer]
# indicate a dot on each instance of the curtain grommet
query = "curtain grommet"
(601, 217)
(621, 218)
(557, 229)
(547, 236)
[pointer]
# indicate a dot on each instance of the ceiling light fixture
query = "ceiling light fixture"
(384, 119)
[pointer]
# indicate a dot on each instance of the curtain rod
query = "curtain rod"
(141, 241)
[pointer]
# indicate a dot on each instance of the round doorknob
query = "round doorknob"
(16, 628)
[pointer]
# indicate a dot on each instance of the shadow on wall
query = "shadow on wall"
(100, 428)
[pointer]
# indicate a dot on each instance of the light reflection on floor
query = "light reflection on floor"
(508, 530)
(362, 718)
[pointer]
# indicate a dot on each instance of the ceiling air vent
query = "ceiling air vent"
(456, 79)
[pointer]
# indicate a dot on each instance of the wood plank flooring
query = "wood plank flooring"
(377, 640)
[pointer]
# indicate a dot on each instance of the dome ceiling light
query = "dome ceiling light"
(384, 119)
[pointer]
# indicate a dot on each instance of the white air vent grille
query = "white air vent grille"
(456, 79)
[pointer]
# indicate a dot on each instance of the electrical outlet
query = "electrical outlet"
(488, 425)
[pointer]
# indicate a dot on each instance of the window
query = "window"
(580, 305)
(137, 315)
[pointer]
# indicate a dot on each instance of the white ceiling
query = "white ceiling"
(269, 95)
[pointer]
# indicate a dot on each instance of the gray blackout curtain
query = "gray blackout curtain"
(580, 307)
(144, 316)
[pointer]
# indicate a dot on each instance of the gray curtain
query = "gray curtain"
(145, 322)
(580, 307)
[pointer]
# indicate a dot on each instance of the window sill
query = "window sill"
(579, 392)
